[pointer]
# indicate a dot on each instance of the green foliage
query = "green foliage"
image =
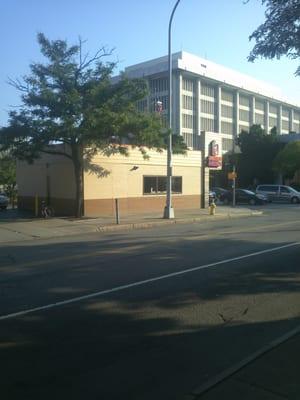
(71, 99)
(280, 33)
(8, 174)
(287, 160)
(258, 151)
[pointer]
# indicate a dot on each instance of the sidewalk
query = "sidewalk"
(271, 375)
(20, 229)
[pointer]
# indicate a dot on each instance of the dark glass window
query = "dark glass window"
(270, 188)
(158, 184)
(284, 189)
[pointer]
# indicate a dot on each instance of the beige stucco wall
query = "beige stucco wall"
(125, 181)
(32, 178)
(49, 178)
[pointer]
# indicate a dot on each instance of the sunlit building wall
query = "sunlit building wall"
(209, 97)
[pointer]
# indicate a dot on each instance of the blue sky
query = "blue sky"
(217, 30)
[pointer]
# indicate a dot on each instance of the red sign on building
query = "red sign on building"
(213, 160)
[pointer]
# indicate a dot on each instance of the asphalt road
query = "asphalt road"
(148, 314)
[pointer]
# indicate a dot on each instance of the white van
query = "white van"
(279, 193)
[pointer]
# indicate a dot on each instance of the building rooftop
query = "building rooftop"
(200, 66)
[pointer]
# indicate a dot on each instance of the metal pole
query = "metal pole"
(169, 211)
(233, 187)
(117, 211)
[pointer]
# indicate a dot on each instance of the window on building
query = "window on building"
(188, 139)
(285, 112)
(259, 119)
(227, 144)
(158, 85)
(187, 85)
(259, 105)
(158, 184)
(192, 140)
(244, 101)
(296, 127)
(297, 116)
(227, 96)
(227, 111)
(244, 115)
(187, 102)
(188, 121)
(208, 124)
(208, 90)
(272, 122)
(207, 107)
(227, 127)
(285, 125)
(273, 109)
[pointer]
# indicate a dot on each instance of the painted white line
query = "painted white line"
(144, 282)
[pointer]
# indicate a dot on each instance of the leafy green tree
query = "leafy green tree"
(8, 175)
(72, 100)
(287, 161)
(258, 150)
(280, 33)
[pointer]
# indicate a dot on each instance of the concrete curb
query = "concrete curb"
(145, 225)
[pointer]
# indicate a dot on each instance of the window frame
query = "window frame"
(163, 192)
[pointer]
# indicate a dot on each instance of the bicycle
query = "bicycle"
(47, 211)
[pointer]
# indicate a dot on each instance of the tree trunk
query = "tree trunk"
(77, 157)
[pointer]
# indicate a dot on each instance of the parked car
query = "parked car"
(218, 191)
(3, 201)
(244, 196)
(279, 193)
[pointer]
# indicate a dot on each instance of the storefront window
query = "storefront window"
(158, 184)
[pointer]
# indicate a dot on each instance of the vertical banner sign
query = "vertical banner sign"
(214, 160)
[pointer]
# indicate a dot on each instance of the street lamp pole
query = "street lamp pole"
(169, 211)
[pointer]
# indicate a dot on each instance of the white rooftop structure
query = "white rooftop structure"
(199, 66)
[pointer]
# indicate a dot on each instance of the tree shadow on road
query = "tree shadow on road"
(153, 341)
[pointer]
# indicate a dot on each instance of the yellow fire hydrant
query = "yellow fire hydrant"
(212, 208)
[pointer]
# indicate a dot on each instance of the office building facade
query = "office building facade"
(209, 97)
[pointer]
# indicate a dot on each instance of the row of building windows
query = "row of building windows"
(227, 127)
(273, 109)
(187, 102)
(208, 124)
(187, 85)
(259, 105)
(158, 85)
(272, 121)
(191, 140)
(227, 96)
(259, 119)
(227, 144)
(285, 113)
(208, 107)
(244, 115)
(188, 121)
(285, 125)
(244, 101)
(208, 90)
(226, 111)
